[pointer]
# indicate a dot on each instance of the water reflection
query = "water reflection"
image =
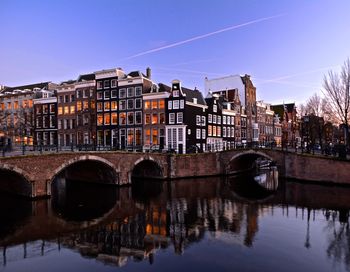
(246, 221)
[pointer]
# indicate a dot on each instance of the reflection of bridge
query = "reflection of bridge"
(32, 175)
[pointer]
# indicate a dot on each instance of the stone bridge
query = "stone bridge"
(33, 175)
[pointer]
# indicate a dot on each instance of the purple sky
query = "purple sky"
(286, 46)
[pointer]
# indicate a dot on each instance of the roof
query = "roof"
(86, 77)
(135, 74)
(190, 94)
(280, 109)
(42, 85)
(164, 88)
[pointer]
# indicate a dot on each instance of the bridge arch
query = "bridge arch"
(244, 161)
(82, 159)
(146, 167)
(17, 181)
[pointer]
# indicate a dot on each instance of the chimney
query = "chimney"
(148, 73)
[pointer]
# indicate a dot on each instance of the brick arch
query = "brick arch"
(75, 160)
(245, 153)
(27, 177)
(146, 158)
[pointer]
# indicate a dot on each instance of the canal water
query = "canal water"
(246, 223)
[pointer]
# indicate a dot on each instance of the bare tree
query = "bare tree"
(301, 110)
(337, 92)
(314, 105)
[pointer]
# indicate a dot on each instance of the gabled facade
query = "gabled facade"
(85, 93)
(186, 120)
(107, 100)
(214, 127)
(154, 116)
(45, 119)
(66, 114)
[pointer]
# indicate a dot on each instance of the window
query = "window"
(72, 98)
(214, 131)
(147, 119)
(161, 104)
(107, 94)
(130, 136)
(60, 99)
(198, 133)
(170, 105)
(162, 118)
(154, 104)
(180, 134)
(209, 130)
(130, 118)
(179, 118)
(106, 84)
(138, 117)
(228, 120)
(59, 110)
(176, 93)
(138, 136)
(66, 110)
(99, 85)
(122, 118)
(79, 105)
(107, 106)
(52, 121)
(228, 132)
(171, 118)
(176, 104)
(99, 119)
(66, 98)
(78, 93)
(215, 108)
(85, 105)
(147, 104)
(114, 105)
(113, 83)
(138, 91)
(154, 118)
(52, 108)
(147, 136)
(203, 134)
(219, 119)
(209, 118)
(203, 120)
(224, 132)
(218, 131)
(114, 93)
(130, 104)
(224, 120)
(122, 105)
(130, 92)
(214, 118)
(107, 118)
(72, 109)
(232, 120)
(198, 120)
(232, 132)
(122, 93)
(138, 103)
(99, 95)
(182, 104)
(99, 106)
(39, 109)
(154, 136)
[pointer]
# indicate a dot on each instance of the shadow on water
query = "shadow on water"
(14, 213)
(80, 201)
(255, 186)
(146, 189)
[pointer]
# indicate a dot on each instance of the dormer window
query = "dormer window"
(194, 100)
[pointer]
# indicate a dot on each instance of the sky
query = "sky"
(286, 46)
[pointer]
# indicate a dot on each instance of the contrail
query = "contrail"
(278, 79)
(202, 36)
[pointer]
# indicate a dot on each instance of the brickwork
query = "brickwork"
(40, 170)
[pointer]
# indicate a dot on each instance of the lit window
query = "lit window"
(154, 118)
(161, 104)
(154, 104)
(72, 109)
(147, 119)
(122, 118)
(114, 105)
(147, 104)
(99, 119)
(114, 118)
(59, 110)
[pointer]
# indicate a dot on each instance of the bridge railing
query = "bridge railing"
(337, 151)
